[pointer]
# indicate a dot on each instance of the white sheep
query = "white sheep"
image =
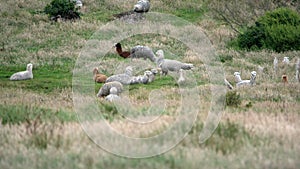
(105, 89)
(113, 95)
(142, 6)
(123, 78)
(170, 65)
(24, 75)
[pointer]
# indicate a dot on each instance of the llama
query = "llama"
(98, 77)
(24, 75)
(170, 65)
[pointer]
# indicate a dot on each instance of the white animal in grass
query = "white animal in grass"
(113, 95)
(248, 82)
(142, 6)
(181, 78)
(275, 64)
(237, 76)
(170, 65)
(24, 75)
(298, 70)
(286, 60)
(123, 78)
(148, 77)
(105, 89)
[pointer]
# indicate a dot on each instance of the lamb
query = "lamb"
(123, 78)
(170, 65)
(105, 89)
(148, 77)
(113, 95)
(142, 6)
(24, 75)
(98, 77)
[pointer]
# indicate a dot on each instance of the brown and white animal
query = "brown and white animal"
(136, 52)
(284, 79)
(98, 77)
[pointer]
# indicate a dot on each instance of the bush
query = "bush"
(63, 8)
(278, 30)
(233, 99)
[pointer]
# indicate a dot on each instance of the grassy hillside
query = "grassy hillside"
(39, 126)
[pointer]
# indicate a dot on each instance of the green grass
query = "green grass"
(17, 114)
(50, 136)
(46, 78)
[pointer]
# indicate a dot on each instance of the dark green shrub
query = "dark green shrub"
(278, 30)
(233, 99)
(63, 8)
(224, 58)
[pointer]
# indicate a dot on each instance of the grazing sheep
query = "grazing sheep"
(298, 70)
(113, 95)
(105, 89)
(142, 6)
(170, 65)
(142, 52)
(98, 77)
(248, 82)
(148, 77)
(123, 78)
(24, 75)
